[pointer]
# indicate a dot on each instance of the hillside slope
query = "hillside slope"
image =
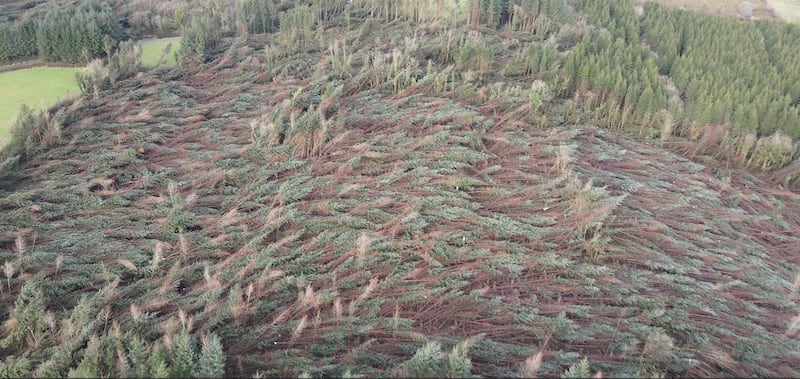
(318, 225)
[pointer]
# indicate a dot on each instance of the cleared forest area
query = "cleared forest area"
(383, 188)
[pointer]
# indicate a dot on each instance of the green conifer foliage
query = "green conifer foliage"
(65, 33)
(743, 56)
(356, 203)
(184, 355)
(212, 360)
(198, 37)
(158, 362)
(427, 362)
(14, 367)
(256, 16)
(138, 354)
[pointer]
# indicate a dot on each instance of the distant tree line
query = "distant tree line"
(742, 73)
(737, 82)
(257, 16)
(71, 34)
(732, 83)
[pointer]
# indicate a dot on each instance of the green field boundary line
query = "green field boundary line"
(42, 63)
(148, 41)
(36, 63)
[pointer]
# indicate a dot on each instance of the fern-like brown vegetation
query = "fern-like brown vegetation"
(381, 201)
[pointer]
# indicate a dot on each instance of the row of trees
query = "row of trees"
(517, 14)
(619, 81)
(199, 35)
(616, 16)
(743, 76)
(746, 75)
(18, 40)
(540, 17)
(256, 16)
(202, 30)
(259, 16)
(65, 34)
(654, 73)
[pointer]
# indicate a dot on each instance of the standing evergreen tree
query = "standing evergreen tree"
(25, 42)
(70, 34)
(212, 359)
(7, 47)
(256, 16)
(184, 350)
(647, 102)
(200, 35)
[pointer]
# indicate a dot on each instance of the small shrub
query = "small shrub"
(198, 37)
(125, 63)
(31, 133)
(93, 79)
(773, 151)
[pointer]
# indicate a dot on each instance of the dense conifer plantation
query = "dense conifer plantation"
(63, 34)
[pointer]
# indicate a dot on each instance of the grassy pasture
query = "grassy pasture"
(152, 49)
(40, 87)
(37, 87)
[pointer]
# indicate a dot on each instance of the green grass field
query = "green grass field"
(37, 87)
(40, 87)
(152, 49)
